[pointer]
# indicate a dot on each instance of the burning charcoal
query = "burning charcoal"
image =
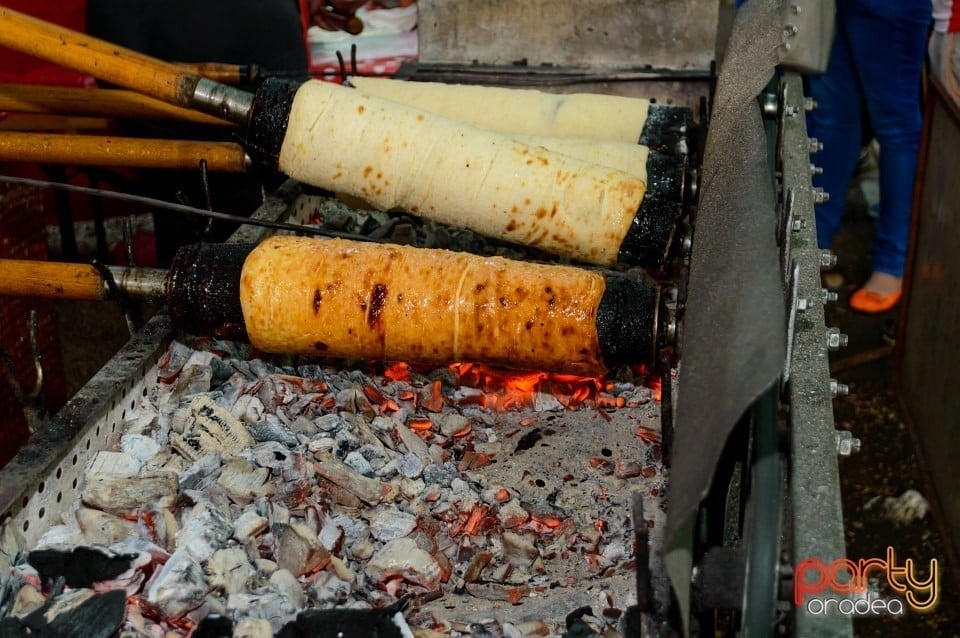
(27, 600)
(453, 423)
(80, 566)
(358, 463)
(615, 551)
(495, 591)
(179, 586)
(402, 557)
(269, 605)
(248, 409)
(304, 426)
(389, 523)
(410, 465)
(546, 402)
(253, 628)
(329, 422)
(204, 531)
(115, 494)
(248, 526)
(387, 622)
(141, 447)
(412, 442)
(211, 429)
(113, 464)
(342, 570)
(329, 590)
(440, 475)
(512, 514)
(244, 483)
(519, 549)
(229, 570)
(271, 428)
(201, 473)
(627, 469)
(159, 525)
(477, 564)
(322, 448)
(287, 584)
(370, 491)
(100, 528)
(299, 550)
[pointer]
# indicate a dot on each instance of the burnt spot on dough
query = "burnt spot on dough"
(529, 324)
(512, 226)
(361, 109)
(541, 212)
(400, 297)
(479, 288)
(367, 171)
(317, 298)
(479, 328)
(378, 297)
(566, 331)
(419, 117)
(503, 302)
(321, 346)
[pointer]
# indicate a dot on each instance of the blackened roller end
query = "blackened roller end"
(204, 290)
(627, 322)
(667, 128)
(269, 117)
(648, 241)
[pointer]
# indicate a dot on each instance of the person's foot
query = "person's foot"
(878, 295)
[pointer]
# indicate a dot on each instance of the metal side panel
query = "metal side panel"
(817, 515)
(680, 34)
(40, 484)
(928, 361)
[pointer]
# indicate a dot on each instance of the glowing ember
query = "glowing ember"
(510, 390)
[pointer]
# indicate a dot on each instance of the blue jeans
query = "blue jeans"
(873, 72)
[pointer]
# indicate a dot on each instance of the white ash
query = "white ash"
(264, 490)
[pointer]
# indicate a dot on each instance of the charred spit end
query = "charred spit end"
(627, 319)
(204, 290)
(269, 116)
(649, 239)
(667, 129)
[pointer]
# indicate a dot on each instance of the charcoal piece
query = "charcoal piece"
(98, 617)
(348, 623)
(214, 627)
(80, 566)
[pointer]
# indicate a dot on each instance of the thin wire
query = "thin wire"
(182, 208)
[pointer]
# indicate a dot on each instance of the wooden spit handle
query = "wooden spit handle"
(100, 59)
(50, 279)
(220, 71)
(95, 150)
(35, 98)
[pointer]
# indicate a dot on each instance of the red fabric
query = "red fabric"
(954, 25)
(16, 67)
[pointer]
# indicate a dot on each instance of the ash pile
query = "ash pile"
(255, 498)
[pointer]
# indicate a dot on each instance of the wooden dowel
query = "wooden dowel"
(95, 57)
(54, 280)
(31, 98)
(42, 122)
(94, 150)
(219, 71)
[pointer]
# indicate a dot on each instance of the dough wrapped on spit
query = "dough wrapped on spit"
(528, 111)
(357, 300)
(399, 157)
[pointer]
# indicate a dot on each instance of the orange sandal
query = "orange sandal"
(873, 303)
